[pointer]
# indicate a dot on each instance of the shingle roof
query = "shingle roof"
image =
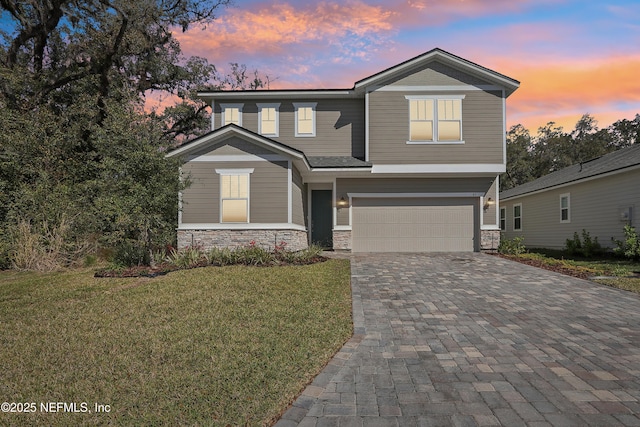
(337, 162)
(620, 159)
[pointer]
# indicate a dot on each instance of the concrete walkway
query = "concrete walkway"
(476, 340)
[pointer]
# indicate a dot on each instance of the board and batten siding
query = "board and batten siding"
(595, 206)
(406, 185)
(339, 125)
(482, 130)
(489, 215)
(435, 74)
(268, 192)
(298, 198)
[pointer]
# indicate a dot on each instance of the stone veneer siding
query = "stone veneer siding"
(489, 239)
(295, 239)
(341, 240)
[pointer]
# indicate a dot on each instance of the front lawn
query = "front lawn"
(607, 270)
(208, 346)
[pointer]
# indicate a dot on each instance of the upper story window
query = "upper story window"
(517, 217)
(503, 219)
(231, 113)
(305, 118)
(435, 119)
(234, 195)
(268, 119)
(565, 208)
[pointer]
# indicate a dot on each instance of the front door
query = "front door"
(322, 218)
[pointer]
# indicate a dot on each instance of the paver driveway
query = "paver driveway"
(472, 339)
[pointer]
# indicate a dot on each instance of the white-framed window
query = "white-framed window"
(565, 208)
(269, 119)
(234, 195)
(503, 219)
(517, 217)
(305, 118)
(435, 119)
(231, 113)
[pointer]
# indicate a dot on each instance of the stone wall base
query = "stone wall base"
(489, 240)
(341, 240)
(295, 239)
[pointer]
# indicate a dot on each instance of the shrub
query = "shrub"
(630, 246)
(514, 246)
(189, 257)
(586, 248)
(129, 252)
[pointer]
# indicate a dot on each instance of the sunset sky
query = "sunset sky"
(571, 57)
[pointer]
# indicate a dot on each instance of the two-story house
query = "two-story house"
(405, 161)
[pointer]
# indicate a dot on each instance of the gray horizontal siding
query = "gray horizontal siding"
(408, 185)
(268, 186)
(339, 126)
(595, 207)
(482, 131)
(489, 215)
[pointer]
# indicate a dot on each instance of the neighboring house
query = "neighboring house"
(600, 196)
(406, 160)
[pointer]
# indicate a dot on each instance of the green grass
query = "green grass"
(208, 346)
(621, 271)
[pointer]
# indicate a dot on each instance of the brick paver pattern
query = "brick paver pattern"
(476, 340)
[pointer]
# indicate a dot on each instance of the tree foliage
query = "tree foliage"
(77, 147)
(551, 149)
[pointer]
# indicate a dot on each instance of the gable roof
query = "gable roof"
(616, 161)
(225, 132)
(444, 57)
(360, 86)
(307, 163)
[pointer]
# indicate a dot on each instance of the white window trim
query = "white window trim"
(296, 106)
(514, 217)
(435, 99)
(504, 209)
(224, 107)
(568, 196)
(277, 108)
(234, 172)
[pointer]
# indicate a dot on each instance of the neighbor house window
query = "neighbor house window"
(268, 119)
(565, 208)
(234, 194)
(517, 217)
(231, 113)
(433, 119)
(305, 118)
(503, 219)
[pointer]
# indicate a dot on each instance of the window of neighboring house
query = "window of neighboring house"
(565, 208)
(268, 119)
(234, 195)
(517, 217)
(305, 118)
(436, 120)
(503, 219)
(231, 113)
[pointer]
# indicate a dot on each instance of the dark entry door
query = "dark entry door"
(322, 218)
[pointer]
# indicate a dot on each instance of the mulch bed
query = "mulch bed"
(164, 268)
(557, 268)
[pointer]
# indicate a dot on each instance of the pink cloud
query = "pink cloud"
(276, 29)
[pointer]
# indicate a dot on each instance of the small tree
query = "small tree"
(630, 246)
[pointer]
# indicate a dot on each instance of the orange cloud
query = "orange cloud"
(272, 29)
(606, 87)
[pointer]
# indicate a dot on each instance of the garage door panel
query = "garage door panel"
(413, 225)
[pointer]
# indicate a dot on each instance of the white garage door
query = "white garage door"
(413, 225)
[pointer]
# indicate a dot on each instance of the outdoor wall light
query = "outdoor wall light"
(488, 203)
(342, 203)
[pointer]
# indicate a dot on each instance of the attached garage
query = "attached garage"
(414, 224)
